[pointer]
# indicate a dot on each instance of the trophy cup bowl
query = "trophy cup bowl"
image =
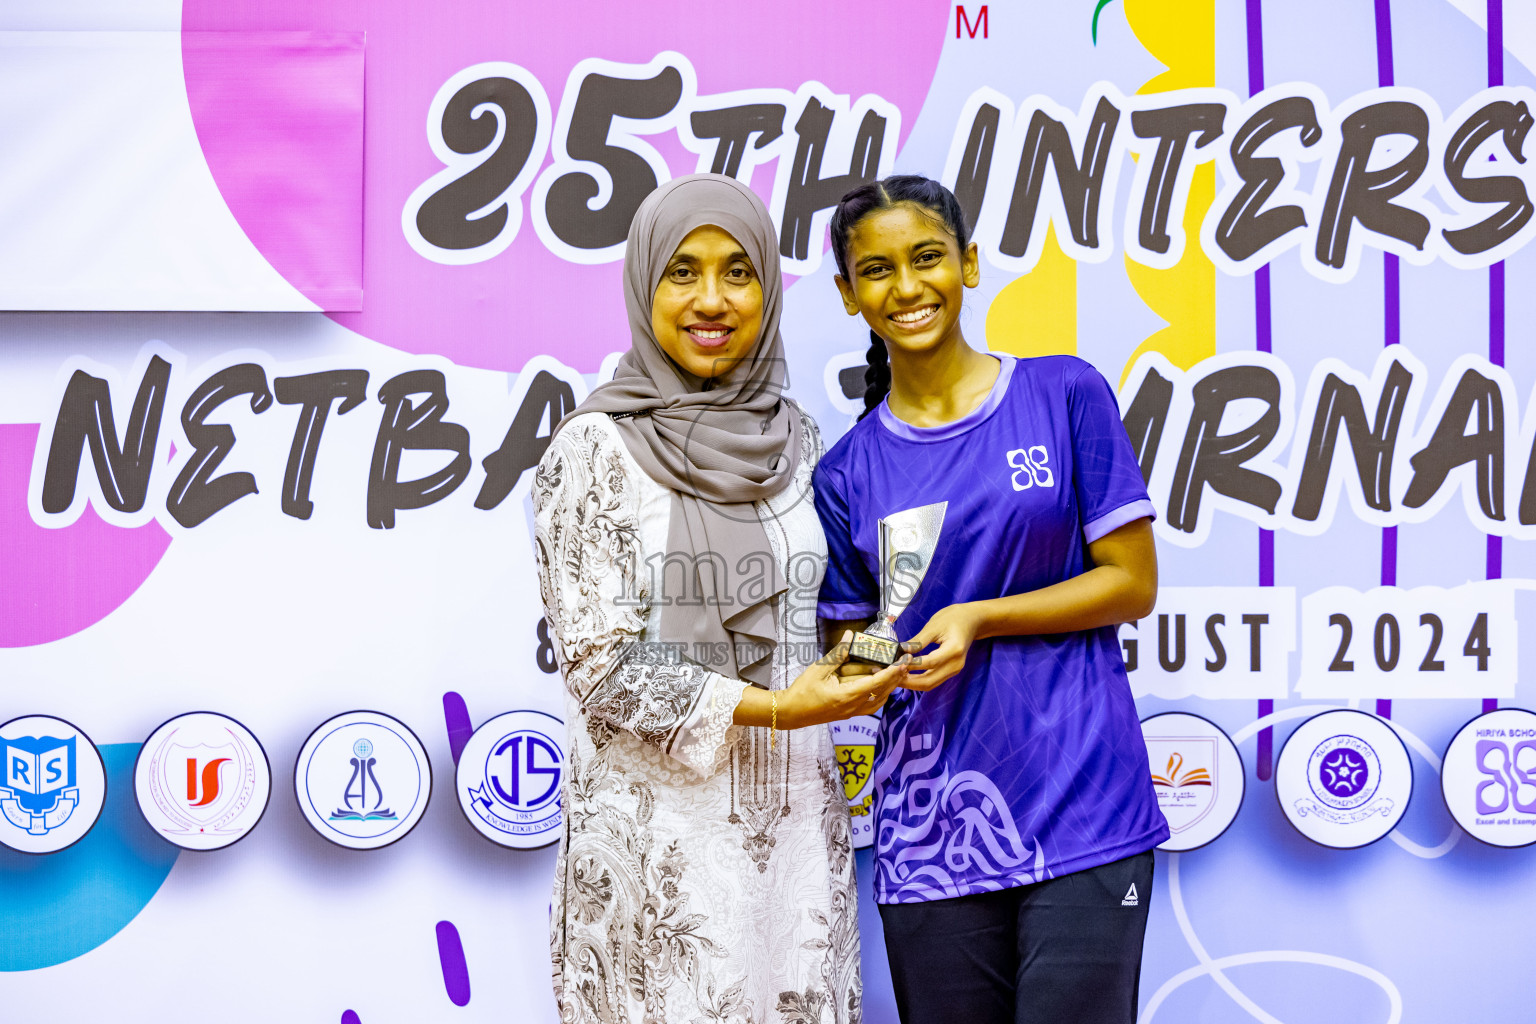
(907, 542)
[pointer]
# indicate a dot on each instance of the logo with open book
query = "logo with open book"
(1186, 787)
(40, 778)
(363, 780)
(1197, 776)
(52, 785)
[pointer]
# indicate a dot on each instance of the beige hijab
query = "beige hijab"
(718, 444)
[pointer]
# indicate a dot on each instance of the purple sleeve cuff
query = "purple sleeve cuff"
(846, 611)
(1112, 520)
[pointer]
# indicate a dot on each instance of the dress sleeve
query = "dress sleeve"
(848, 592)
(1105, 475)
(596, 600)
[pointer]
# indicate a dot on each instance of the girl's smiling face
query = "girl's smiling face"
(707, 312)
(909, 276)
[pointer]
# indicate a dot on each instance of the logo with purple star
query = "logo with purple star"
(1343, 772)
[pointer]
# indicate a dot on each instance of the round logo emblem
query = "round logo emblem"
(1344, 779)
(202, 781)
(509, 776)
(53, 785)
(363, 780)
(854, 739)
(1198, 776)
(1344, 772)
(1488, 777)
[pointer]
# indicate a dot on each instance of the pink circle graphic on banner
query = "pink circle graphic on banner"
(58, 582)
(525, 300)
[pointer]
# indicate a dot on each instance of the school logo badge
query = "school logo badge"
(854, 740)
(508, 779)
(1198, 776)
(363, 780)
(1488, 778)
(202, 781)
(1186, 791)
(52, 787)
(1344, 779)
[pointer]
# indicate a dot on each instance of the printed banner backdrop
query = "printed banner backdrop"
(1294, 235)
(156, 170)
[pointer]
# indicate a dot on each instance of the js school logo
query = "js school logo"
(509, 779)
(363, 780)
(202, 781)
(1344, 779)
(53, 785)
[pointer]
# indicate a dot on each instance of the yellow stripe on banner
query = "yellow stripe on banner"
(1181, 34)
(1036, 313)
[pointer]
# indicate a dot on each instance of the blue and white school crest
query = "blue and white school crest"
(509, 778)
(52, 784)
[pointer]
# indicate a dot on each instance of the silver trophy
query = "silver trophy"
(907, 543)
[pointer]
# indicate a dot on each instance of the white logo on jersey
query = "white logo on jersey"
(1131, 899)
(1032, 464)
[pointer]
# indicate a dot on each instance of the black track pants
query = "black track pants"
(1063, 951)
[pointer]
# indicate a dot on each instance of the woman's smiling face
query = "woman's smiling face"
(909, 276)
(707, 312)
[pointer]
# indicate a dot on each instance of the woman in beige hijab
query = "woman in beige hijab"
(705, 872)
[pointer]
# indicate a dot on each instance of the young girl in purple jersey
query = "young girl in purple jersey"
(1015, 815)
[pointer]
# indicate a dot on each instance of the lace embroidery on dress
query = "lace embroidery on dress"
(705, 747)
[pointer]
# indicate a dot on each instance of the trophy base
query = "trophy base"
(874, 650)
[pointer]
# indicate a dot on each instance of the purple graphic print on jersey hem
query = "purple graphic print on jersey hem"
(1029, 764)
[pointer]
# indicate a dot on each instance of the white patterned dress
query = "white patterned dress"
(704, 875)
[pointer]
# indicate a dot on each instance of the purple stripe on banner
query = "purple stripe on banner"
(450, 951)
(1262, 330)
(1495, 556)
(1266, 748)
(1495, 42)
(1264, 342)
(1266, 753)
(1256, 47)
(1496, 314)
(1388, 579)
(1390, 297)
(460, 728)
(1384, 43)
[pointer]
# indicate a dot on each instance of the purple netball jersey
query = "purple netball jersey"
(1029, 764)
